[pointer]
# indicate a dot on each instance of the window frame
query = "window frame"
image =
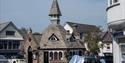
(60, 55)
(10, 33)
(53, 38)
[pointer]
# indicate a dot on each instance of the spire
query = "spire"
(55, 11)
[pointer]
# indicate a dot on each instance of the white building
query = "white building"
(116, 23)
(80, 29)
(10, 42)
(105, 45)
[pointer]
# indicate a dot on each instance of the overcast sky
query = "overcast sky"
(34, 13)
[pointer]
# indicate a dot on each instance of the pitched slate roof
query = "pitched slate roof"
(82, 27)
(3, 25)
(55, 9)
(76, 44)
(107, 37)
(59, 32)
(37, 37)
(23, 32)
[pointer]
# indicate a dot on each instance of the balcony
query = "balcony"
(117, 25)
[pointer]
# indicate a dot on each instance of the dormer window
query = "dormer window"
(53, 38)
(72, 38)
(81, 35)
(10, 33)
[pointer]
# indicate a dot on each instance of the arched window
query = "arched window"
(60, 55)
(55, 56)
(51, 55)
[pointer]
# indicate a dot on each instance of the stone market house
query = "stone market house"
(55, 45)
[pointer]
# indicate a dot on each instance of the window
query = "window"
(60, 55)
(110, 2)
(81, 35)
(68, 31)
(70, 54)
(5, 45)
(51, 55)
(53, 38)
(10, 33)
(1, 45)
(16, 44)
(35, 56)
(30, 39)
(72, 38)
(10, 45)
(55, 56)
(108, 47)
(80, 53)
(123, 52)
(115, 1)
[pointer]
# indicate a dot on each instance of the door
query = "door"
(30, 55)
(46, 57)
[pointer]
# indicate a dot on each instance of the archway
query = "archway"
(30, 55)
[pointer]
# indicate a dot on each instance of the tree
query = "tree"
(92, 38)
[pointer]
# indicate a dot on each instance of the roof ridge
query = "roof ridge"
(80, 23)
(4, 22)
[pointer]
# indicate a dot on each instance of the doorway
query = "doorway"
(30, 55)
(46, 57)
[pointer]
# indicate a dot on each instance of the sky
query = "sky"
(34, 13)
